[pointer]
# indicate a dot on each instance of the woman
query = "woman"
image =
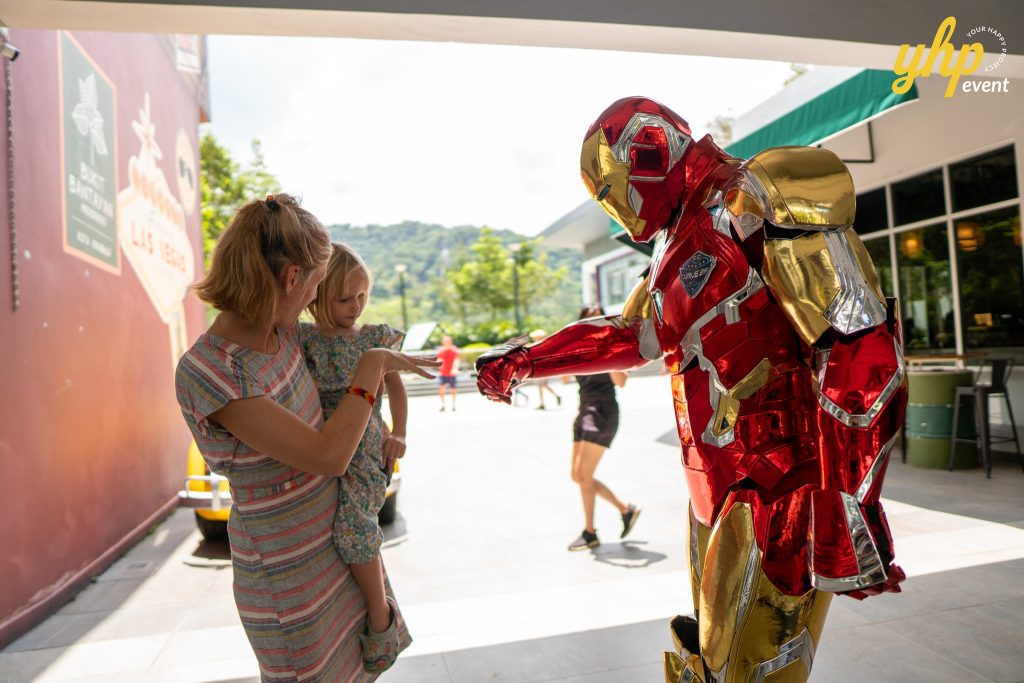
(250, 402)
(593, 431)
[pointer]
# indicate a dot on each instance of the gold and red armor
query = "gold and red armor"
(787, 379)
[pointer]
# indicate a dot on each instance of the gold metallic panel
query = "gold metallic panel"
(802, 274)
(775, 620)
(728, 409)
(807, 187)
(754, 380)
(679, 670)
(699, 536)
(748, 627)
(726, 413)
(639, 304)
(607, 180)
(740, 202)
(725, 586)
(794, 672)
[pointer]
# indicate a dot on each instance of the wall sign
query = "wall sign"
(88, 109)
(153, 234)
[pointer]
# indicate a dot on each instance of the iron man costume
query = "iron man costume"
(787, 379)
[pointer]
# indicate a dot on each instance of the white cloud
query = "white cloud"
(383, 131)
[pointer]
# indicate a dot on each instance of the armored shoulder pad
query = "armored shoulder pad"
(806, 188)
(638, 303)
(638, 313)
(824, 280)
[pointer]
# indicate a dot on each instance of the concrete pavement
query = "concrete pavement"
(478, 561)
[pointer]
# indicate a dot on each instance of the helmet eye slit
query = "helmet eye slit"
(604, 192)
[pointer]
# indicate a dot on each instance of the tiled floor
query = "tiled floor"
(478, 562)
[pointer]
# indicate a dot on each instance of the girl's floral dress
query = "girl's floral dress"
(331, 360)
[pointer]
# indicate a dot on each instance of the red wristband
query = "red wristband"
(359, 391)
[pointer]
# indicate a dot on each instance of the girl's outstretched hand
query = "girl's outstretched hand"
(396, 361)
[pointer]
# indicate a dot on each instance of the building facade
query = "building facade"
(101, 224)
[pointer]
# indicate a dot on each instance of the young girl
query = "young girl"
(333, 346)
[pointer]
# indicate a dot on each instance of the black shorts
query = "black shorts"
(447, 381)
(596, 423)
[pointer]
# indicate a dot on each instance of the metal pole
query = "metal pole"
(515, 290)
(401, 290)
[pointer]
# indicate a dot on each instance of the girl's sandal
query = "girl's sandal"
(380, 650)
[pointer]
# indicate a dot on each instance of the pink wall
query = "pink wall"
(92, 444)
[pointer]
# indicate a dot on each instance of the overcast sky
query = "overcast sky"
(383, 131)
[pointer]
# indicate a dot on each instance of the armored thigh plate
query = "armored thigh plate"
(748, 630)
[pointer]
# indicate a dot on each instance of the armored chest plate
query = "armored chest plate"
(695, 272)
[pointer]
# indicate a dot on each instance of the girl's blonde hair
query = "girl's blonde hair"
(344, 261)
(264, 237)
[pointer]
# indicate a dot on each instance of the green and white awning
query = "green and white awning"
(856, 100)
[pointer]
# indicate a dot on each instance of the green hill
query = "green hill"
(428, 251)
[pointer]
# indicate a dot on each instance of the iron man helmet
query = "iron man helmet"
(631, 163)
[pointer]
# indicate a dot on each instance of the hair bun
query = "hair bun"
(272, 203)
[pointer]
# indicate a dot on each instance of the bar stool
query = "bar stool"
(1001, 369)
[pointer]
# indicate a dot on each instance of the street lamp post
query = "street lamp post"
(514, 248)
(400, 269)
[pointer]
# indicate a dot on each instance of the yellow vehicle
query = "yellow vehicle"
(212, 511)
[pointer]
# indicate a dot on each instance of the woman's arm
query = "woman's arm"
(619, 379)
(269, 428)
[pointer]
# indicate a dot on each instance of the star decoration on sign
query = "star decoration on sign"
(146, 131)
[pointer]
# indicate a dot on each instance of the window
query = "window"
(988, 255)
(988, 248)
(985, 179)
(926, 292)
(618, 277)
(918, 198)
(878, 249)
(871, 212)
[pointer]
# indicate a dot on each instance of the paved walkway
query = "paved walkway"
(478, 562)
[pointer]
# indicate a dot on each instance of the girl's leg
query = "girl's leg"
(583, 474)
(370, 578)
(587, 494)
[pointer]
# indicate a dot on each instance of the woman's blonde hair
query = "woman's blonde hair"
(344, 261)
(264, 237)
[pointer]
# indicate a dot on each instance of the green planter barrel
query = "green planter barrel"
(930, 419)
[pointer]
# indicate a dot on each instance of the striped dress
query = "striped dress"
(298, 602)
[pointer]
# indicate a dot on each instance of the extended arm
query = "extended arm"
(269, 428)
(594, 345)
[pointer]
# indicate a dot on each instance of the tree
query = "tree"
(537, 280)
(795, 72)
(225, 185)
(483, 282)
(721, 129)
(480, 290)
